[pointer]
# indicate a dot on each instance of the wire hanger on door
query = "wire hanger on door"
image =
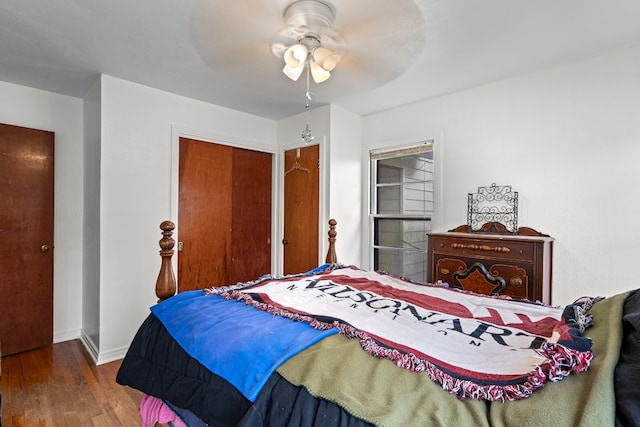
(296, 165)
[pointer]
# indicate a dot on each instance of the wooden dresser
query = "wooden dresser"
(495, 262)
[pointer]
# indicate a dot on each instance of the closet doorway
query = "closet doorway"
(301, 209)
(224, 214)
(26, 226)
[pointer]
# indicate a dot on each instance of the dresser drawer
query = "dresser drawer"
(516, 275)
(487, 248)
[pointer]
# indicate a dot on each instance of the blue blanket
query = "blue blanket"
(240, 343)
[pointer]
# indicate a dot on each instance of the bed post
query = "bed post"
(331, 253)
(166, 282)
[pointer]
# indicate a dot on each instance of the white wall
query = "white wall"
(346, 184)
(91, 219)
(339, 133)
(33, 108)
(289, 137)
(567, 139)
(137, 157)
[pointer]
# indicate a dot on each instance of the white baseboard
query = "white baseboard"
(90, 346)
(105, 356)
(111, 355)
(71, 334)
(98, 357)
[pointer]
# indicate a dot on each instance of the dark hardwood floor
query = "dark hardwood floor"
(59, 385)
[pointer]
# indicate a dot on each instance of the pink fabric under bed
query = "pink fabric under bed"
(154, 410)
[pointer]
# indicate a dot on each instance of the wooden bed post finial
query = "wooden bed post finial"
(332, 258)
(166, 282)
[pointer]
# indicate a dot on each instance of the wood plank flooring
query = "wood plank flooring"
(59, 385)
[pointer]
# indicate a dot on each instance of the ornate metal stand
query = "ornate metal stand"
(493, 204)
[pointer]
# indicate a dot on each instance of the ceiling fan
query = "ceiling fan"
(368, 43)
(309, 39)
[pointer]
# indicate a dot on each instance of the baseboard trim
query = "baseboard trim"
(90, 346)
(98, 357)
(110, 356)
(71, 334)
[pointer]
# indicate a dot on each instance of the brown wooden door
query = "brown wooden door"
(224, 214)
(301, 209)
(26, 227)
(251, 215)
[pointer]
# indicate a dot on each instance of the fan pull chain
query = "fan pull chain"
(306, 133)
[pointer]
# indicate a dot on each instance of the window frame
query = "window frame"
(374, 216)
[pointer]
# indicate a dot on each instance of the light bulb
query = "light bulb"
(296, 55)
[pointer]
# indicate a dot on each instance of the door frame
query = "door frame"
(277, 187)
(178, 132)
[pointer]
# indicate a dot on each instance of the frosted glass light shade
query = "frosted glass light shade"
(325, 58)
(296, 55)
(293, 72)
(319, 74)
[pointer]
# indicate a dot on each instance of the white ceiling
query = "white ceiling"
(218, 50)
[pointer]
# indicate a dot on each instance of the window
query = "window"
(401, 210)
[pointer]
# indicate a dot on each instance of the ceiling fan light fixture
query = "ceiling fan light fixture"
(325, 58)
(296, 55)
(309, 38)
(318, 73)
(293, 73)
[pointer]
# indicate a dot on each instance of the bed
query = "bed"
(274, 352)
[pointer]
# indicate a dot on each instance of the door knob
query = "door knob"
(285, 242)
(45, 248)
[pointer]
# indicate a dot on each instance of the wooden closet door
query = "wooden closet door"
(224, 214)
(251, 215)
(301, 209)
(204, 214)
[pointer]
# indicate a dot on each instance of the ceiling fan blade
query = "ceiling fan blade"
(380, 41)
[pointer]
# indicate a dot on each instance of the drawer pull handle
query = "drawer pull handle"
(444, 271)
(485, 248)
(516, 281)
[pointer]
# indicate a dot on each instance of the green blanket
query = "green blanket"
(375, 390)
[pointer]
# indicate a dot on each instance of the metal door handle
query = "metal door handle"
(45, 248)
(285, 242)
